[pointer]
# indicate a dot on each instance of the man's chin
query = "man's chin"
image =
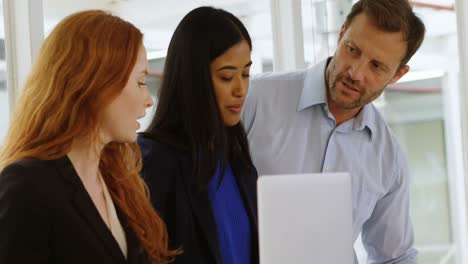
(348, 105)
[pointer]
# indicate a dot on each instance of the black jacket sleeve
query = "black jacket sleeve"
(24, 217)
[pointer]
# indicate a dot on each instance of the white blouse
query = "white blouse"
(115, 226)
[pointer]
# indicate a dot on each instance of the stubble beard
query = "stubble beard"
(363, 99)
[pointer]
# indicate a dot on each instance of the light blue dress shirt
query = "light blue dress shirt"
(291, 130)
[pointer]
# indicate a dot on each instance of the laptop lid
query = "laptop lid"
(305, 218)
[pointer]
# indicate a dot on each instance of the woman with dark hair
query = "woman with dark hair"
(196, 159)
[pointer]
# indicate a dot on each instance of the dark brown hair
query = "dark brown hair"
(392, 16)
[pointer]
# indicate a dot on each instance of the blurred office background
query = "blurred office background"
(426, 109)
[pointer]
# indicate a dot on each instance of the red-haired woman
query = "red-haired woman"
(70, 190)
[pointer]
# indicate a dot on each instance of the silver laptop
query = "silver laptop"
(305, 218)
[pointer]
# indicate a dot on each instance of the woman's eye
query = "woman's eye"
(226, 79)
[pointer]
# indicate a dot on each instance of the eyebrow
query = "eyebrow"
(354, 45)
(230, 67)
(349, 42)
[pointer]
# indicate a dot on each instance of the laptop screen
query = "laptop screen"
(305, 218)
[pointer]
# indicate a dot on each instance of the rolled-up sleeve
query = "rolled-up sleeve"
(388, 234)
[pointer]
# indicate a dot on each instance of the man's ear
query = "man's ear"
(400, 73)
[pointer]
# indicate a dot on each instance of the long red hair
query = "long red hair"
(83, 65)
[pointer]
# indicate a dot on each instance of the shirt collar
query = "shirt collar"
(314, 93)
(314, 90)
(366, 119)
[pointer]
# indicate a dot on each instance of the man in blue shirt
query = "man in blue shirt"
(322, 120)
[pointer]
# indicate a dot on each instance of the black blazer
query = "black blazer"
(47, 216)
(187, 212)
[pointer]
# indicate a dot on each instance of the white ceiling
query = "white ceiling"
(156, 18)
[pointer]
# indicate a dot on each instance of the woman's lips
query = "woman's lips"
(235, 108)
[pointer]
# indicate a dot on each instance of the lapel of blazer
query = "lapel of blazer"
(135, 252)
(86, 209)
(248, 191)
(201, 207)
